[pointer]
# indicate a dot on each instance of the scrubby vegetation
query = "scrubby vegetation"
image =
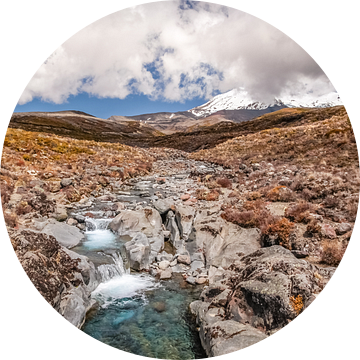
(35, 163)
(308, 162)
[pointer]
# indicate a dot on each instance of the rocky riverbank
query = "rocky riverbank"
(261, 233)
(250, 292)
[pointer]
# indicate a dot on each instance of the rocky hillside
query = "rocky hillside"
(78, 125)
(260, 217)
(209, 136)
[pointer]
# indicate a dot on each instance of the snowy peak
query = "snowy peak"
(238, 99)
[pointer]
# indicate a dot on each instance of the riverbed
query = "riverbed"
(136, 312)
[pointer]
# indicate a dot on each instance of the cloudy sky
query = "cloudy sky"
(170, 56)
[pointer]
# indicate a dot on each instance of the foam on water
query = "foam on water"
(125, 286)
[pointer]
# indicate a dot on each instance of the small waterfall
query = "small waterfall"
(110, 271)
(96, 224)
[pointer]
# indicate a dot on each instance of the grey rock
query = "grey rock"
(274, 291)
(198, 256)
(171, 226)
(147, 221)
(90, 276)
(191, 280)
(224, 337)
(300, 254)
(163, 206)
(179, 268)
(164, 264)
(196, 265)
(66, 235)
(71, 222)
(221, 242)
(66, 182)
(201, 280)
(79, 218)
(138, 252)
(343, 228)
(173, 263)
(184, 259)
(221, 299)
(60, 213)
(256, 166)
(164, 256)
(184, 218)
(144, 194)
(166, 274)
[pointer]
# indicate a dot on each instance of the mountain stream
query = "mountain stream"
(136, 312)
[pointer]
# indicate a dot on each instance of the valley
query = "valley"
(189, 244)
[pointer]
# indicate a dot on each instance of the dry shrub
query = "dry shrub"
(297, 185)
(23, 208)
(10, 220)
(233, 194)
(212, 196)
(72, 195)
(297, 303)
(307, 194)
(281, 229)
(352, 209)
(281, 193)
(6, 191)
(20, 163)
(212, 185)
(254, 195)
(332, 252)
(300, 212)
(313, 227)
(254, 205)
(224, 182)
(200, 194)
(253, 214)
(331, 202)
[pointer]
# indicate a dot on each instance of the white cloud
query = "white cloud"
(165, 51)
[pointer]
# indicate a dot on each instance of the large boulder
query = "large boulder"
(256, 296)
(89, 275)
(224, 337)
(171, 226)
(66, 235)
(74, 305)
(64, 278)
(222, 242)
(146, 221)
(164, 205)
(184, 216)
(138, 252)
(274, 286)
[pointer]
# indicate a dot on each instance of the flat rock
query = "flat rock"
(228, 336)
(184, 259)
(191, 280)
(164, 264)
(201, 280)
(166, 274)
(66, 235)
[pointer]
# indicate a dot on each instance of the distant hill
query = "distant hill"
(79, 125)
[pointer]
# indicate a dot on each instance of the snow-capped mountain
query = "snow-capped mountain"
(238, 99)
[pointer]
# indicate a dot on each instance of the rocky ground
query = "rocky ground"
(261, 221)
(176, 224)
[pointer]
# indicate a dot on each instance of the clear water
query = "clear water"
(137, 313)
